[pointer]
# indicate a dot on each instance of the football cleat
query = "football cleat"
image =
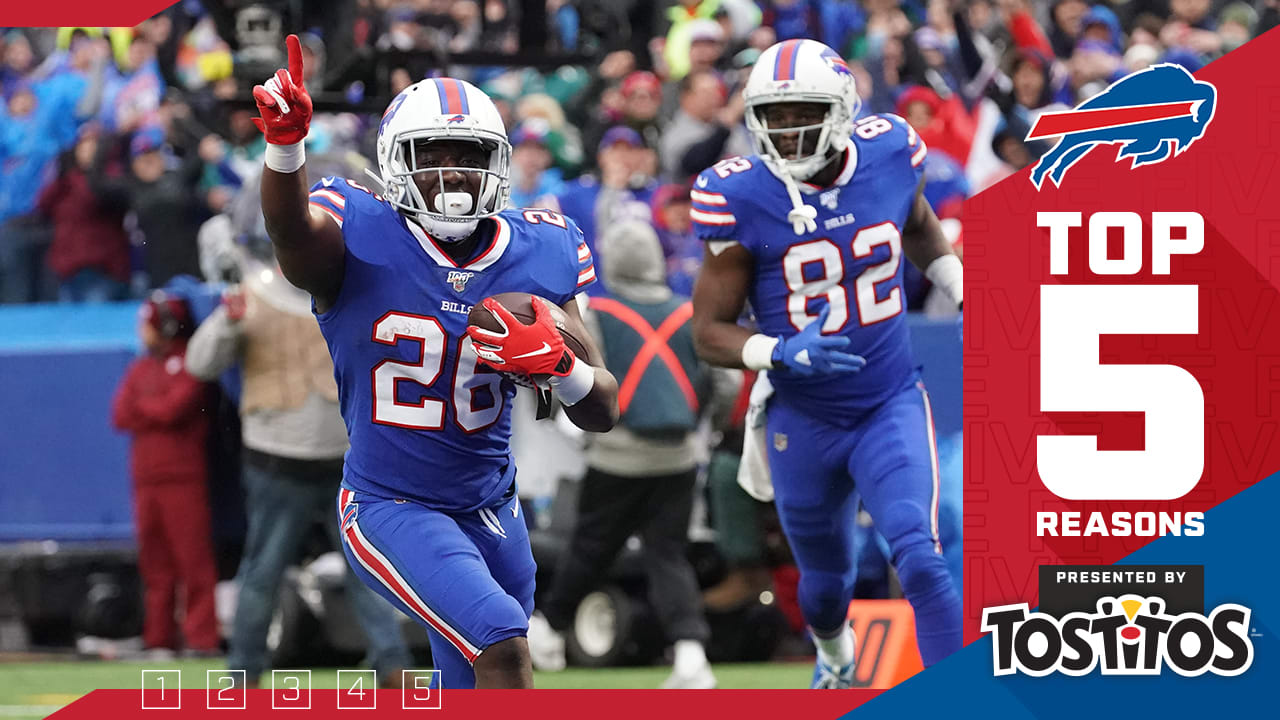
(830, 677)
(546, 645)
(700, 679)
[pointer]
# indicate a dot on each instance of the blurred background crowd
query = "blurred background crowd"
(130, 163)
(124, 149)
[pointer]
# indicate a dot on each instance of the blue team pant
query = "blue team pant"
(888, 460)
(467, 577)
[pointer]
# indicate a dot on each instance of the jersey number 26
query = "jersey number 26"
(472, 411)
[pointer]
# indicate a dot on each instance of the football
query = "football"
(520, 305)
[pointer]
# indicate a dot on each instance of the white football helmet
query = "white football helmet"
(801, 71)
(443, 109)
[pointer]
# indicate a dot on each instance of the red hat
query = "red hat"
(168, 314)
(641, 80)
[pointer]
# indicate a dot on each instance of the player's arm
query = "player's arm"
(537, 350)
(926, 246)
(308, 244)
(597, 411)
(719, 296)
(718, 299)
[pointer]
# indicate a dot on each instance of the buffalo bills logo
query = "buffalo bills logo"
(456, 119)
(391, 110)
(1154, 114)
(349, 515)
(836, 63)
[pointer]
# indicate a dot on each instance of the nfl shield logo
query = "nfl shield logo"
(830, 198)
(458, 279)
(779, 442)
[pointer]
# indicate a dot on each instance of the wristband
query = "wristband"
(286, 158)
(576, 385)
(947, 274)
(757, 352)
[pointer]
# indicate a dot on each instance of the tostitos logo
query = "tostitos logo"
(1126, 635)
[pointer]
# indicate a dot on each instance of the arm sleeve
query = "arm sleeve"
(913, 151)
(329, 196)
(584, 263)
(711, 209)
(214, 347)
(183, 398)
(123, 416)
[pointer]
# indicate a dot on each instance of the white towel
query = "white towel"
(753, 471)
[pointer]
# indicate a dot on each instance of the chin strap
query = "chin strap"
(802, 216)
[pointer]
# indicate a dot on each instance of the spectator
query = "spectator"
(625, 183)
(641, 475)
(19, 60)
(566, 147)
(532, 175)
(71, 93)
(1236, 24)
(944, 125)
(707, 44)
(90, 251)
(169, 211)
(132, 95)
(703, 117)
(681, 248)
(637, 105)
(792, 19)
(294, 441)
(1093, 66)
(1065, 28)
(164, 408)
(499, 31)
(1101, 24)
(27, 151)
(684, 17)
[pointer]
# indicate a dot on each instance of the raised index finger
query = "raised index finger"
(295, 59)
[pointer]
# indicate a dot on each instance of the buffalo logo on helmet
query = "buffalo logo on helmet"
(836, 63)
(456, 119)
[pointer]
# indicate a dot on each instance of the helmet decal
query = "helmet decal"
(391, 110)
(836, 63)
(453, 98)
(784, 67)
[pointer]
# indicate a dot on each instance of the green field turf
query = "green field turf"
(35, 689)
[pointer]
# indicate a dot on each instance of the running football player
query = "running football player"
(812, 230)
(428, 505)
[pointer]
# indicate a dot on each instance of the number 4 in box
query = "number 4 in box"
(357, 690)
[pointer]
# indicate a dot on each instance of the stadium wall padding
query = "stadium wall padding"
(64, 471)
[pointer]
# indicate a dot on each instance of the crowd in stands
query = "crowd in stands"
(119, 144)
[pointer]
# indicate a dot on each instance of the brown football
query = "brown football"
(520, 305)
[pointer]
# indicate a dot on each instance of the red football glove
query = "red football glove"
(283, 101)
(532, 350)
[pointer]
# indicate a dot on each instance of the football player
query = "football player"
(812, 230)
(428, 504)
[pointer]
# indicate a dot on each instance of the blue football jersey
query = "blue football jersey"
(427, 421)
(853, 260)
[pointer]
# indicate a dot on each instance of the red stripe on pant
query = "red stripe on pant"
(379, 570)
